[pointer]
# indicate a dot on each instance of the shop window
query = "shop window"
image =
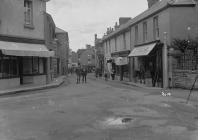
(27, 65)
(41, 65)
(8, 67)
(33, 66)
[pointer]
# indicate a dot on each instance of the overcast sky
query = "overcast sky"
(83, 18)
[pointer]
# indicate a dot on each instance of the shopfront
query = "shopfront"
(22, 63)
(120, 65)
(148, 64)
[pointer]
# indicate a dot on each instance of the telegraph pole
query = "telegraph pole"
(165, 62)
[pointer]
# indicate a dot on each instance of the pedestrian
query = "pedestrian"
(106, 76)
(142, 74)
(78, 74)
(113, 74)
(84, 75)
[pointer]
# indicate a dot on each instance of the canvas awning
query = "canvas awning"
(142, 50)
(25, 49)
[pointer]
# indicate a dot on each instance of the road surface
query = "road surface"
(97, 110)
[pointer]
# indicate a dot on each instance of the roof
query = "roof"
(58, 30)
(155, 8)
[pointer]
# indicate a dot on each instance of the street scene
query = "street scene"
(99, 70)
(98, 110)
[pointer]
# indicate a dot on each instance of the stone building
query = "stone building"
(63, 51)
(23, 56)
(145, 42)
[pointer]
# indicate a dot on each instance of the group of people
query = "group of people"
(81, 72)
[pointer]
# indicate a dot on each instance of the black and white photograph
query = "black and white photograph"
(98, 69)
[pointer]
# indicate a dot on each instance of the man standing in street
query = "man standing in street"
(78, 74)
(84, 75)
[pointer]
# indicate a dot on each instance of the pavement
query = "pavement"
(176, 92)
(97, 110)
(27, 88)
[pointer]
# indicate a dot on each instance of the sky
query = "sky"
(84, 18)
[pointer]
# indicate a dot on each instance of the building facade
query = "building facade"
(149, 38)
(86, 57)
(99, 53)
(51, 43)
(23, 54)
(63, 51)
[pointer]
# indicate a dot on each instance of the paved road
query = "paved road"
(97, 110)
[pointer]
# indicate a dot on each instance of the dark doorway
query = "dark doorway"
(21, 69)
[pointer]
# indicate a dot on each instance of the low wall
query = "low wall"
(37, 79)
(9, 83)
(184, 79)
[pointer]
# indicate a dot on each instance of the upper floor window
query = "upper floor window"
(124, 39)
(144, 31)
(136, 34)
(115, 43)
(28, 15)
(155, 28)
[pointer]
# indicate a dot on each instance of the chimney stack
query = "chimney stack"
(123, 20)
(95, 36)
(116, 26)
(152, 2)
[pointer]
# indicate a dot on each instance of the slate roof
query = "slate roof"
(155, 8)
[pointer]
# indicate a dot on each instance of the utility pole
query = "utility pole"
(165, 62)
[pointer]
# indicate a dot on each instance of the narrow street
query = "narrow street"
(97, 110)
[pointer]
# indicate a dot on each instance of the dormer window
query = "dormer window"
(28, 14)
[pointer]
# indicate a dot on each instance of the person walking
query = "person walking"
(142, 74)
(84, 75)
(78, 74)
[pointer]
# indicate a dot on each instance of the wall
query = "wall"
(12, 19)
(9, 83)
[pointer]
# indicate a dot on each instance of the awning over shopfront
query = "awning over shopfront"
(25, 49)
(121, 61)
(142, 50)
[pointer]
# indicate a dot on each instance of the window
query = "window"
(155, 28)
(144, 31)
(115, 44)
(124, 39)
(136, 34)
(8, 67)
(28, 13)
(33, 65)
(109, 47)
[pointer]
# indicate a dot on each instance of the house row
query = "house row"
(32, 49)
(147, 49)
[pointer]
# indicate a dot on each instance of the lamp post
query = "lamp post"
(165, 62)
